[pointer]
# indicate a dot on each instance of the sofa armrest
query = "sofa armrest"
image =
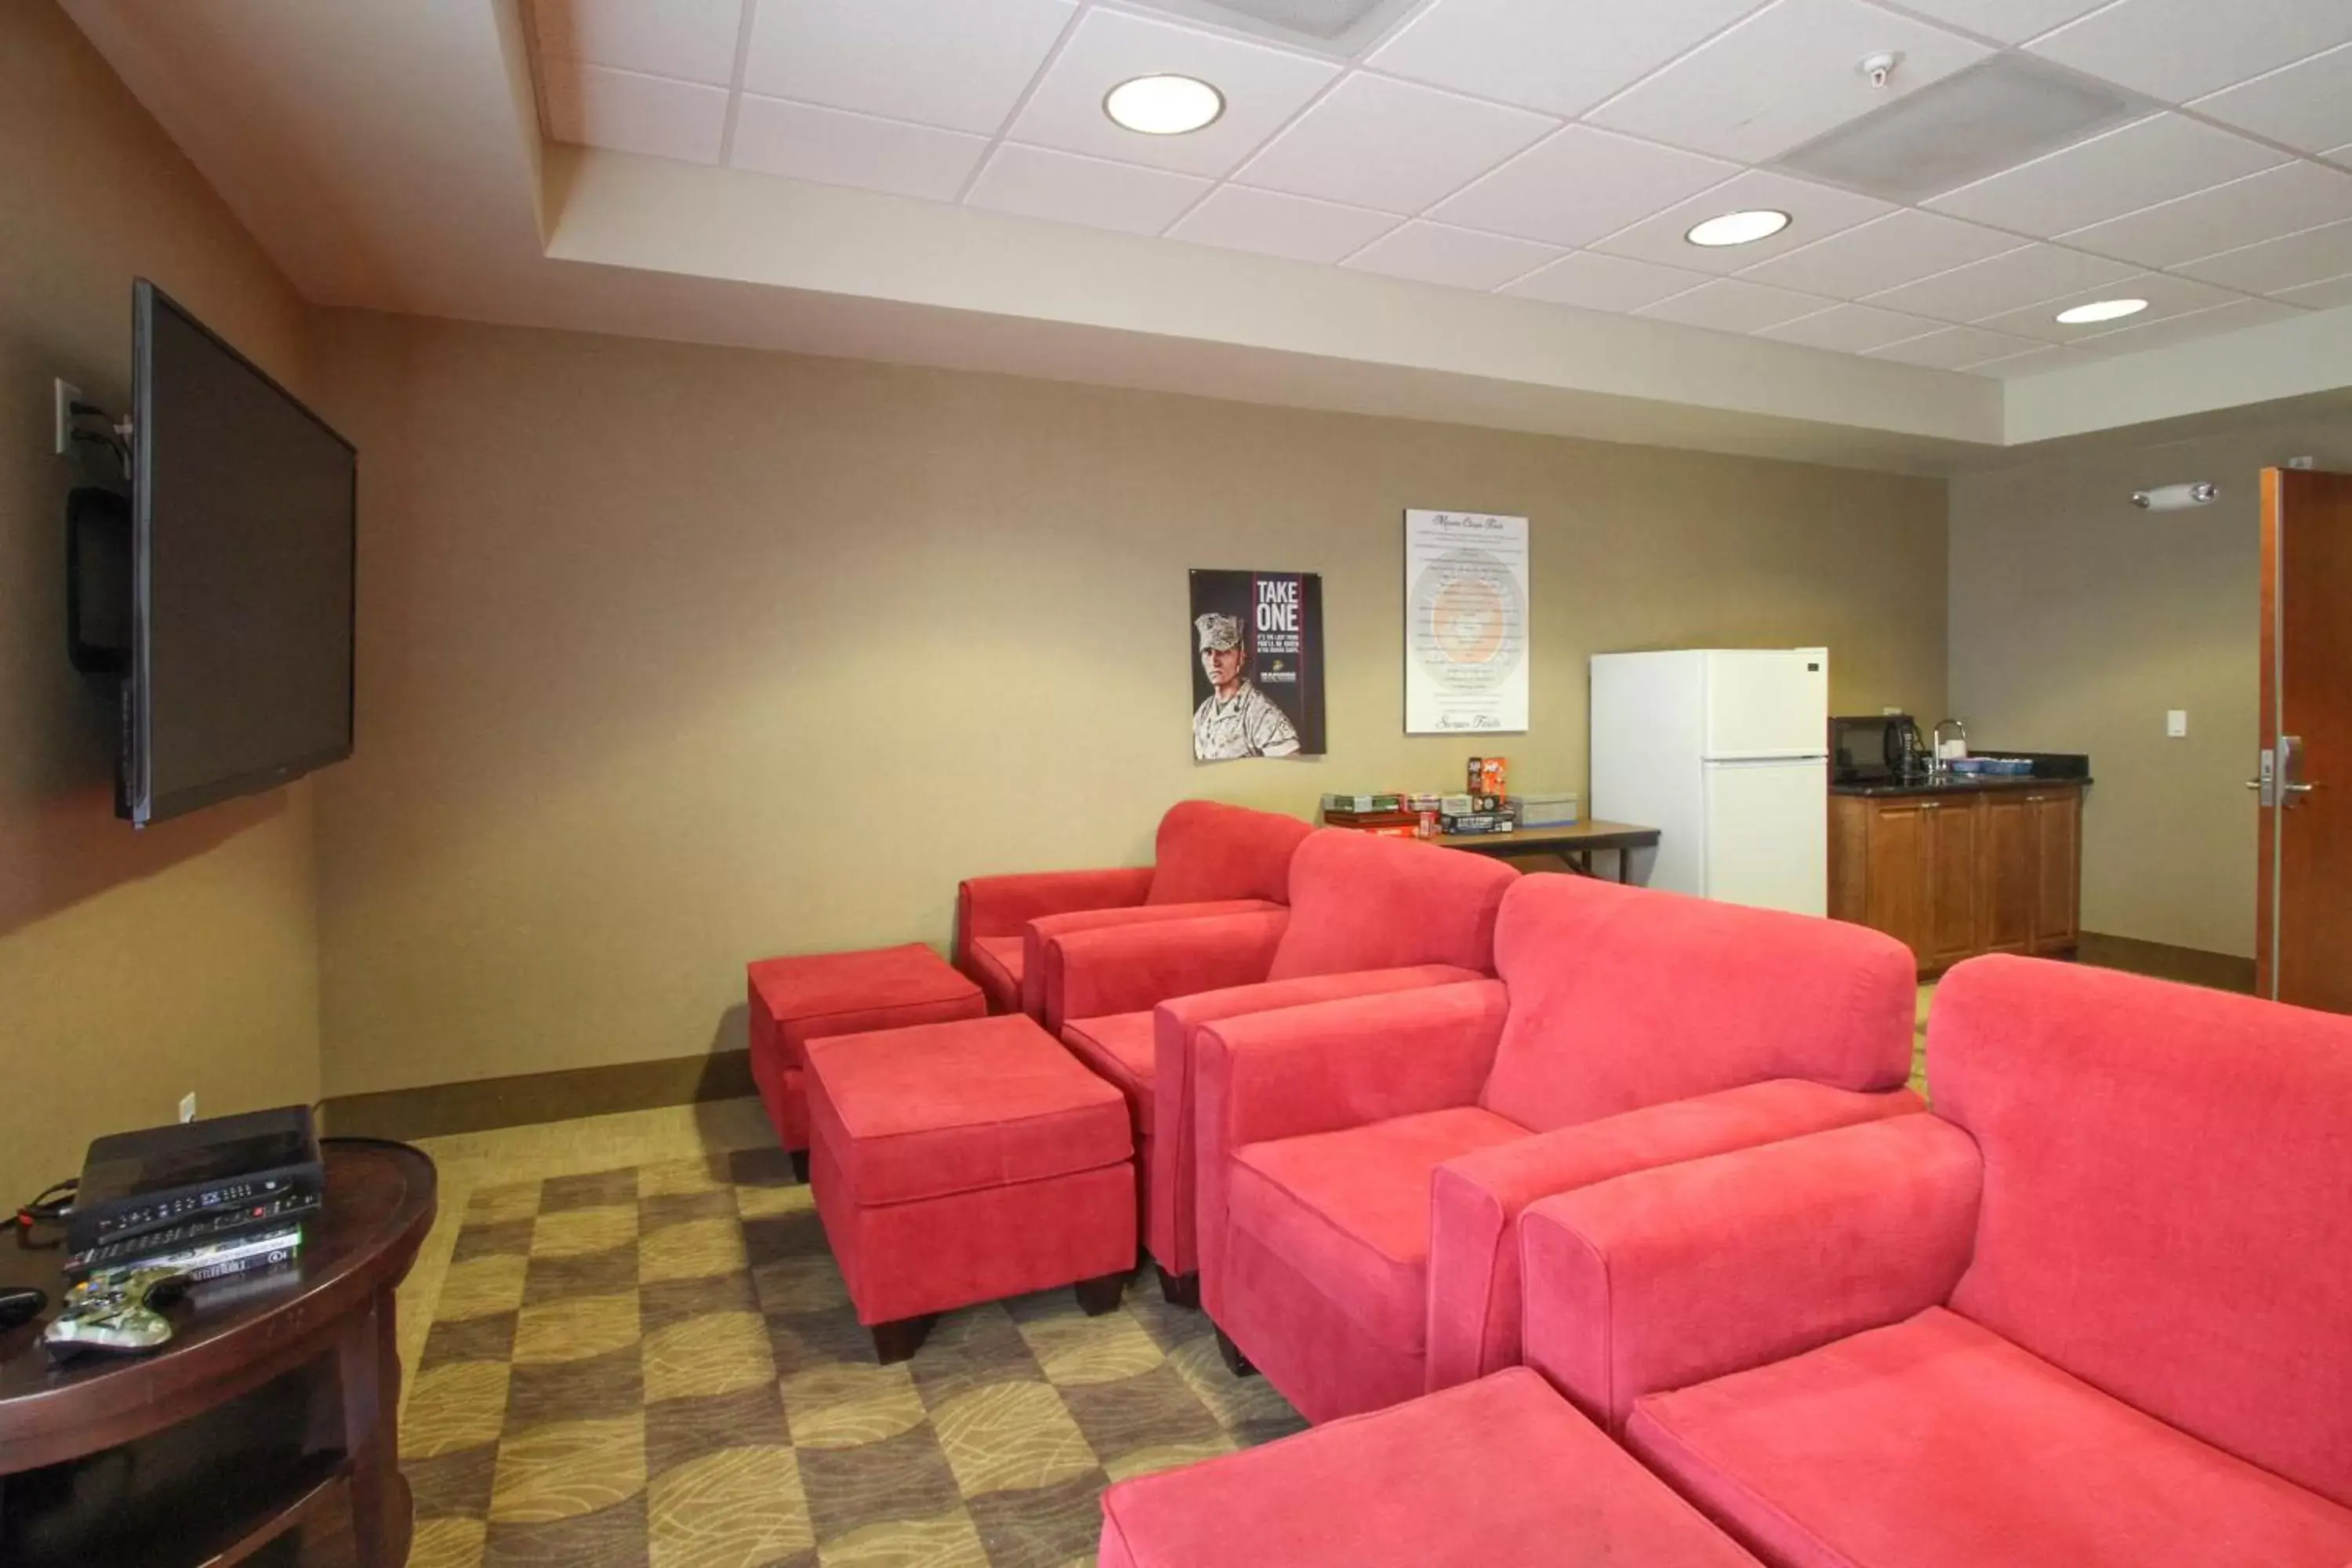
(1090, 964)
(1000, 906)
(1170, 1227)
(1134, 968)
(1318, 1069)
(1476, 1200)
(1672, 1277)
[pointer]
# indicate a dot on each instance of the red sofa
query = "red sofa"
(1367, 915)
(1363, 1163)
(1210, 858)
(2096, 1310)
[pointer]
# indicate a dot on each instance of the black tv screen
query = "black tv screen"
(244, 509)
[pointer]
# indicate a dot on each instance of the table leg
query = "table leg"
(368, 1368)
(1624, 865)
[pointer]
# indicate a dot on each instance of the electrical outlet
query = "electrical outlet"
(2176, 722)
(67, 394)
(188, 1106)
(1890, 712)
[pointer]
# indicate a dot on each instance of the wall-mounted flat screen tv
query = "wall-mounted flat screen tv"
(244, 542)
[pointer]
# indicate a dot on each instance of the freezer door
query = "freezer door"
(1767, 840)
(1768, 702)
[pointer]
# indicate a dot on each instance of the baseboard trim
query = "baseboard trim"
(2194, 966)
(437, 1110)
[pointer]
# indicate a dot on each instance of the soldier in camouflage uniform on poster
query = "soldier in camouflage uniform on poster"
(1238, 720)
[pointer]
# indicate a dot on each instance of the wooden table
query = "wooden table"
(145, 1459)
(1575, 843)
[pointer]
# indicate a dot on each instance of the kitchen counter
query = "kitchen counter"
(1969, 783)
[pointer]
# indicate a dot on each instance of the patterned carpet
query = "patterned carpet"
(659, 1366)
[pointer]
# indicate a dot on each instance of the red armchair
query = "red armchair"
(1210, 858)
(2091, 1311)
(1368, 916)
(1363, 1165)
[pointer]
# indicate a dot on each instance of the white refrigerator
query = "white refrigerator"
(1726, 752)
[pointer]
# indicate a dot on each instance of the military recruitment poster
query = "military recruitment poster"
(1256, 646)
(1465, 623)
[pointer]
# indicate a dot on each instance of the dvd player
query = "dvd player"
(218, 1176)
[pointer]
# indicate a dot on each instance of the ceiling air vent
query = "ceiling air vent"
(1329, 26)
(2005, 111)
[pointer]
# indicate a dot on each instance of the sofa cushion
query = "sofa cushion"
(955, 1107)
(1501, 1471)
(1122, 1048)
(996, 963)
(1207, 850)
(1350, 1209)
(1937, 1444)
(1622, 997)
(1359, 901)
(2165, 1204)
(1037, 974)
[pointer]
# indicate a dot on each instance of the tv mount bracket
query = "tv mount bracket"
(97, 555)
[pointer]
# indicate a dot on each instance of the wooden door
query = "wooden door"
(2057, 875)
(1898, 879)
(1952, 881)
(2009, 883)
(2303, 918)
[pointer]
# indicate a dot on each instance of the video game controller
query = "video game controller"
(121, 1316)
(19, 1305)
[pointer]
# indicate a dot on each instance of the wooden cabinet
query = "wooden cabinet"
(1952, 874)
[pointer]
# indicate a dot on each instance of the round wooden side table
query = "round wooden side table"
(138, 1460)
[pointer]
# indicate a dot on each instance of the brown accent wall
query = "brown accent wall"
(133, 967)
(675, 657)
(2077, 621)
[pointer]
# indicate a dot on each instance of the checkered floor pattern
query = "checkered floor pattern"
(659, 1366)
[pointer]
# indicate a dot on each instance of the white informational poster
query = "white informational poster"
(1465, 623)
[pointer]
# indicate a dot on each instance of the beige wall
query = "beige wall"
(133, 968)
(2077, 621)
(673, 657)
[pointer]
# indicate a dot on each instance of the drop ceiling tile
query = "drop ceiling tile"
(1885, 253)
(2005, 282)
(2276, 265)
(593, 106)
(1728, 305)
(2285, 200)
(1783, 77)
(2166, 296)
(1461, 257)
(836, 147)
(962, 64)
(691, 40)
(1373, 142)
(2325, 296)
(1574, 187)
(2235, 316)
(1592, 281)
(2306, 105)
(1263, 88)
(2011, 21)
(1817, 211)
(1955, 347)
(2341, 155)
(1852, 329)
(1037, 181)
(1299, 227)
(2138, 165)
(1559, 56)
(2177, 49)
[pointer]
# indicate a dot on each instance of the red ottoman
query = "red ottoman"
(796, 1000)
(956, 1164)
(1500, 1471)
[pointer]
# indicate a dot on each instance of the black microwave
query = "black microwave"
(1876, 750)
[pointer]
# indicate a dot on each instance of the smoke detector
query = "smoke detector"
(1879, 68)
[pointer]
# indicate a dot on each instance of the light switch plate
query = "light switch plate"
(2176, 722)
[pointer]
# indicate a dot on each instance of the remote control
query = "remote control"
(20, 1305)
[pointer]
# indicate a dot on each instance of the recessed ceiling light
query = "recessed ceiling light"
(1164, 105)
(2101, 310)
(1738, 228)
